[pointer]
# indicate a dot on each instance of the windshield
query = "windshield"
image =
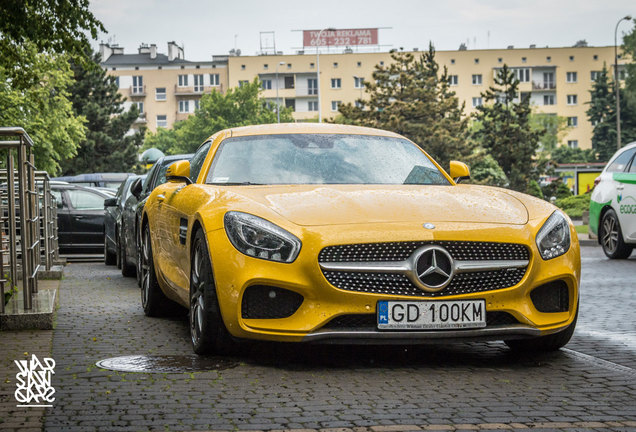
(322, 159)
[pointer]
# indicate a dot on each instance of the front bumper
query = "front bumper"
(322, 302)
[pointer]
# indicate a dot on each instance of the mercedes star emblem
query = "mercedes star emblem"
(434, 268)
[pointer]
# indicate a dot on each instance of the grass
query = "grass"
(581, 229)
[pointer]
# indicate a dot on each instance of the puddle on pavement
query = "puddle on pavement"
(165, 363)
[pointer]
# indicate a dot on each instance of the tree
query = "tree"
(43, 109)
(108, 146)
(505, 129)
(239, 106)
(565, 154)
(629, 48)
(411, 97)
(485, 170)
(54, 26)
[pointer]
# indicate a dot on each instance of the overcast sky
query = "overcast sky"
(207, 27)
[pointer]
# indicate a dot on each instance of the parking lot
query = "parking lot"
(589, 384)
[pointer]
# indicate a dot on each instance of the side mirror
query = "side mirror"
(110, 202)
(179, 171)
(60, 204)
(459, 171)
(135, 187)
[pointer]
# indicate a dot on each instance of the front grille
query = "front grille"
(369, 321)
(267, 302)
(399, 284)
(400, 251)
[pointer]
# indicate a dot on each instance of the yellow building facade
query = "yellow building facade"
(556, 80)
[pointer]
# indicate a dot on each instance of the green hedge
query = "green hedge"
(574, 206)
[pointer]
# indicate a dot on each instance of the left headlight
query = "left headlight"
(553, 239)
(259, 238)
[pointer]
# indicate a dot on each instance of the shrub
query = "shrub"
(575, 205)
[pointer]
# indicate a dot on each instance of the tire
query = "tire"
(127, 269)
(546, 343)
(611, 237)
(207, 330)
(118, 251)
(153, 300)
(109, 257)
(138, 264)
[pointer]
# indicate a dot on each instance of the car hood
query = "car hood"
(313, 205)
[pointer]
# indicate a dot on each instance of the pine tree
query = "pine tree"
(602, 114)
(411, 97)
(505, 130)
(108, 147)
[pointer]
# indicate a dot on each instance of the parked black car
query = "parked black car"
(112, 221)
(140, 190)
(80, 218)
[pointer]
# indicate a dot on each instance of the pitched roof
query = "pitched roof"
(143, 60)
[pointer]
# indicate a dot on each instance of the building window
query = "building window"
(312, 65)
(500, 60)
(573, 121)
(140, 107)
(265, 66)
(184, 106)
(138, 84)
(477, 101)
(183, 80)
(622, 74)
(243, 83)
(548, 99)
(198, 83)
(162, 121)
(594, 75)
(477, 79)
(242, 67)
(358, 104)
(334, 105)
(358, 82)
(117, 81)
(476, 61)
(289, 65)
(523, 59)
(452, 61)
(452, 80)
(160, 94)
(335, 64)
(595, 57)
(522, 74)
(312, 86)
(214, 80)
(336, 83)
(573, 143)
(548, 59)
(571, 58)
(266, 84)
(570, 77)
(289, 82)
(359, 64)
(572, 99)
(197, 103)
(381, 63)
(312, 106)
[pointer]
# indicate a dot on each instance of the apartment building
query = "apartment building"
(165, 87)
(556, 80)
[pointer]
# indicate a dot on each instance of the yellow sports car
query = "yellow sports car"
(342, 234)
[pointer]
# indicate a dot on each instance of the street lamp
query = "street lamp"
(617, 84)
(318, 71)
(277, 101)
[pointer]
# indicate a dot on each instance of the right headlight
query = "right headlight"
(260, 238)
(553, 239)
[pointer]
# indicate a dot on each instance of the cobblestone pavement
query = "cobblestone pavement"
(589, 385)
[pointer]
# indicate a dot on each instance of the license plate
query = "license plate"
(425, 315)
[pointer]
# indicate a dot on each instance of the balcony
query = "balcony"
(195, 90)
(137, 91)
(546, 85)
(141, 119)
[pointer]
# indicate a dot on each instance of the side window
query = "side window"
(148, 181)
(83, 200)
(620, 163)
(197, 161)
(57, 194)
(632, 168)
(120, 191)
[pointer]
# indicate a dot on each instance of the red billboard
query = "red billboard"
(341, 37)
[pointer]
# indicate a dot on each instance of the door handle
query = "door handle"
(161, 197)
(79, 216)
(621, 187)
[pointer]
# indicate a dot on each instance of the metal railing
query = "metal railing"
(28, 216)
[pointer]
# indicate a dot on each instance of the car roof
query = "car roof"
(172, 158)
(95, 177)
(66, 186)
(308, 128)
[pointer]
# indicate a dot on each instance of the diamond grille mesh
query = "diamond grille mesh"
(397, 284)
